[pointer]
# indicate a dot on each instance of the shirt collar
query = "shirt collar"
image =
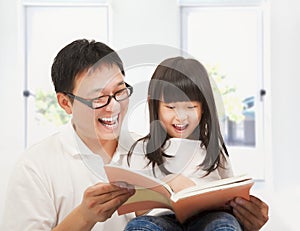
(68, 138)
(73, 144)
(75, 147)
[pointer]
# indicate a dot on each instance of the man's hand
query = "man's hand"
(102, 200)
(98, 204)
(253, 214)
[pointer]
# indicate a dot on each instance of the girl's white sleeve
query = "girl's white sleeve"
(226, 170)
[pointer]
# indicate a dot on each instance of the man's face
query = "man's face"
(101, 124)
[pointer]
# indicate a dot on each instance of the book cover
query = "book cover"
(153, 193)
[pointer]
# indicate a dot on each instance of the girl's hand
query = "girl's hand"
(253, 214)
(178, 182)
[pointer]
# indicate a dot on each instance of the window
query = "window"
(228, 38)
(49, 26)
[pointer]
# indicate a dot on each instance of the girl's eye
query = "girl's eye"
(170, 106)
(192, 107)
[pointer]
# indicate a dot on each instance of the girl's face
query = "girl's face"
(180, 119)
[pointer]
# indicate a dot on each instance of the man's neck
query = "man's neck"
(107, 149)
(104, 148)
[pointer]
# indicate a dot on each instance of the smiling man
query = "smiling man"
(52, 187)
(98, 104)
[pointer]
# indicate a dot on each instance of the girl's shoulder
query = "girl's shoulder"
(137, 160)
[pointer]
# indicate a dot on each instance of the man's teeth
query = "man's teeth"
(111, 119)
(110, 122)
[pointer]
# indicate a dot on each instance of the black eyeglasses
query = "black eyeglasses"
(104, 100)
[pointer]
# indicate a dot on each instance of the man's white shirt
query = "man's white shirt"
(49, 181)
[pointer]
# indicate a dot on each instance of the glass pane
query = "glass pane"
(226, 41)
(48, 29)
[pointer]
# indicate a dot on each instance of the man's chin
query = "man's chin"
(108, 136)
(106, 140)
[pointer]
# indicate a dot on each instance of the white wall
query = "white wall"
(151, 21)
(285, 84)
(156, 21)
(11, 100)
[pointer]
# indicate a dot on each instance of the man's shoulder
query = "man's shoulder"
(52, 144)
(44, 142)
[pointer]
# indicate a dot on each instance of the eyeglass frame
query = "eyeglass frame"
(89, 102)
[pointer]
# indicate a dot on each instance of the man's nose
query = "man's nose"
(112, 104)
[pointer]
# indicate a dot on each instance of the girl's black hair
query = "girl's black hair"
(179, 79)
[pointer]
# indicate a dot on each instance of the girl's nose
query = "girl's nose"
(181, 115)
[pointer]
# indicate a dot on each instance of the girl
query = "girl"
(184, 145)
(183, 116)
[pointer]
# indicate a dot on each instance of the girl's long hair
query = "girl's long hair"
(178, 80)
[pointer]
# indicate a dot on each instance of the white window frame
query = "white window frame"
(22, 49)
(259, 164)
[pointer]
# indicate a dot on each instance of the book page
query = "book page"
(224, 185)
(215, 183)
(137, 179)
(144, 199)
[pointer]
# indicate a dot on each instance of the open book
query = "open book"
(154, 193)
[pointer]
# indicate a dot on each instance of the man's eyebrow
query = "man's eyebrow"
(120, 83)
(96, 90)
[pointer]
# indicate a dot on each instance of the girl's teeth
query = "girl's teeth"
(180, 126)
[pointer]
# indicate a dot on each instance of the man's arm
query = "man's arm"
(253, 214)
(98, 204)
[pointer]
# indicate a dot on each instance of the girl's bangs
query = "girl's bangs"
(181, 90)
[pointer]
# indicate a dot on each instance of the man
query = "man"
(58, 184)
(52, 188)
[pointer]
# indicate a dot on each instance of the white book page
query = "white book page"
(213, 184)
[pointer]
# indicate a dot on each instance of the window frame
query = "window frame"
(22, 49)
(260, 163)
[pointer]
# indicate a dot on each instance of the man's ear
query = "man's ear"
(64, 102)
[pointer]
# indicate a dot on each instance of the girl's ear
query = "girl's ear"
(64, 102)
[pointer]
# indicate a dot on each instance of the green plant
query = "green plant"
(48, 109)
(233, 105)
